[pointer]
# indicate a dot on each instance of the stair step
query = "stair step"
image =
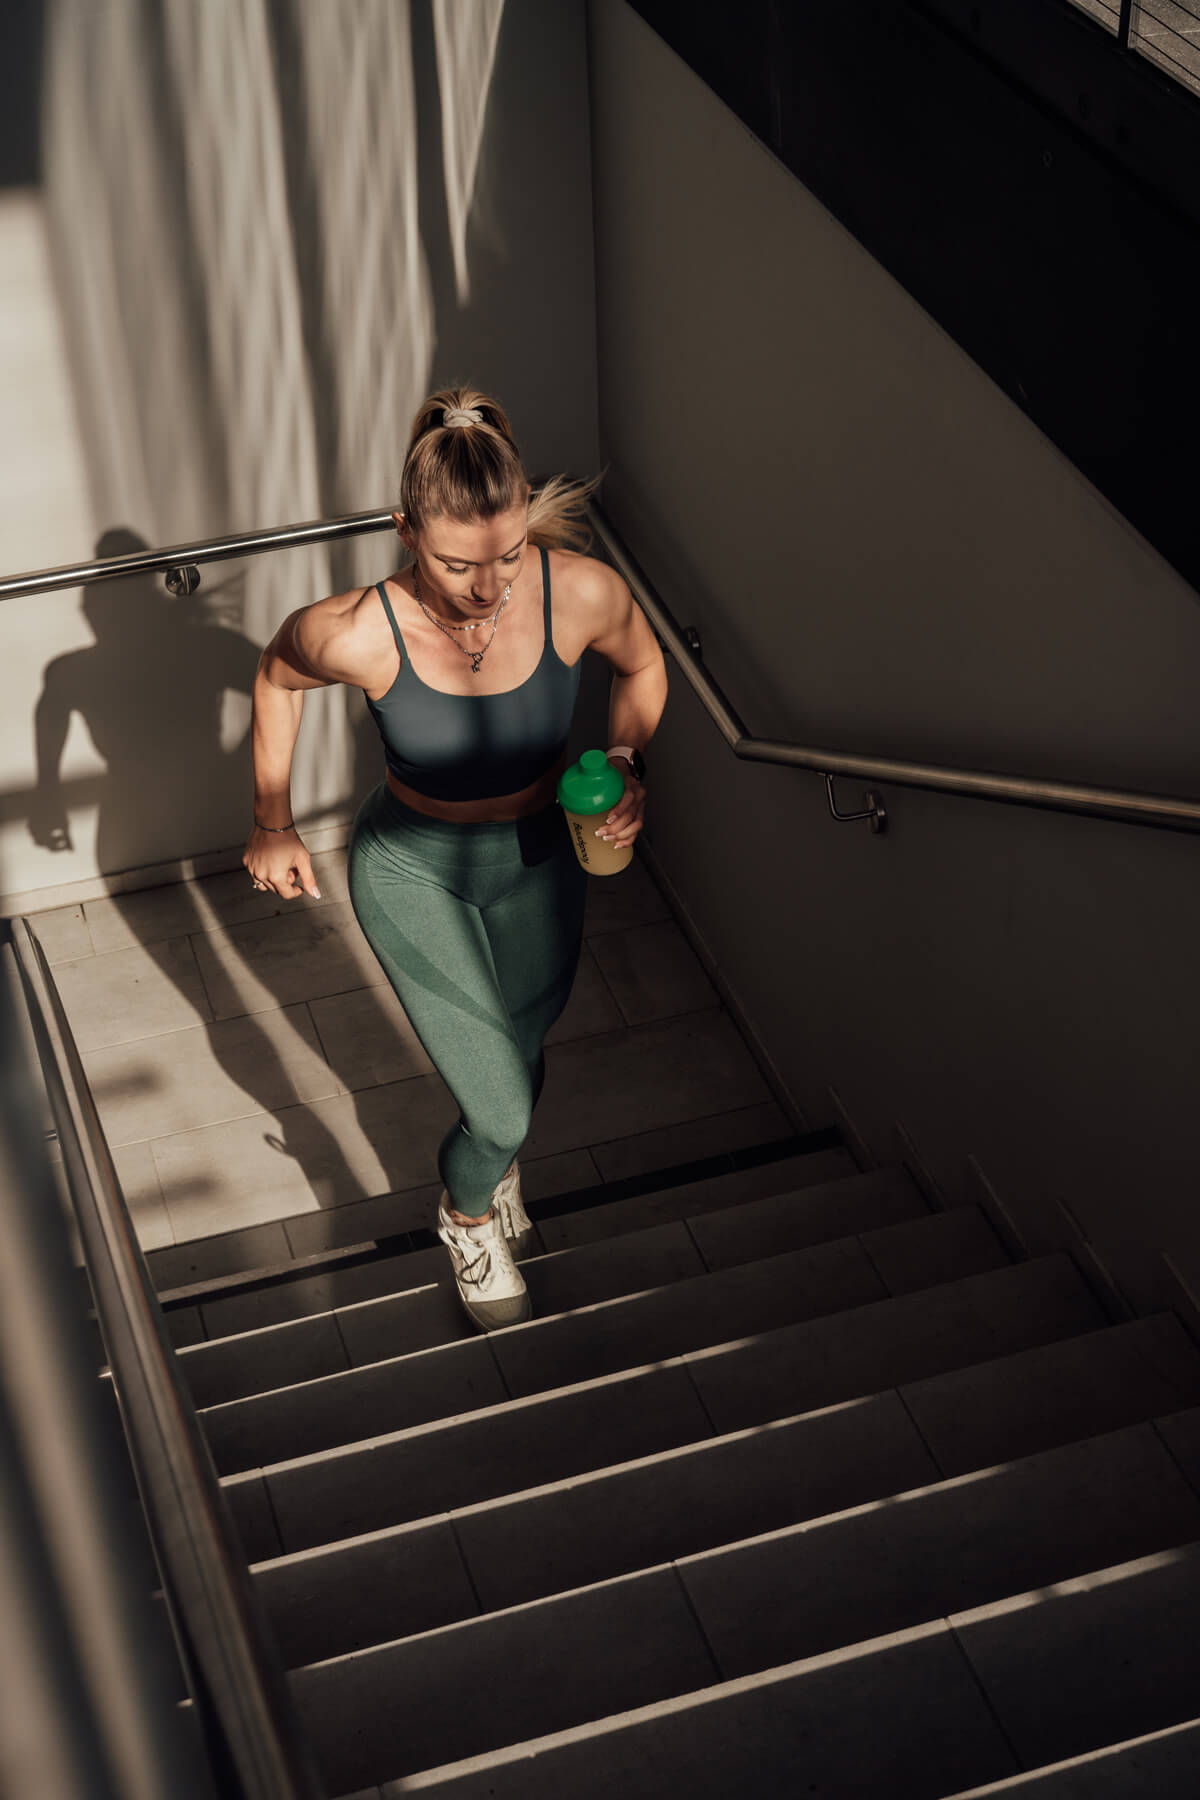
(424, 1309)
(821, 1361)
(373, 1276)
(577, 1346)
(561, 1227)
(951, 1547)
(921, 1712)
(410, 1475)
(1116, 1649)
(589, 1528)
(776, 1565)
(1078, 1387)
(423, 1316)
(798, 1216)
(750, 1128)
(901, 1717)
(1125, 1374)
(753, 1133)
(1165, 1765)
(544, 1666)
(750, 1298)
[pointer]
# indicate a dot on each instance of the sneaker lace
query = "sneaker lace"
(478, 1268)
(507, 1203)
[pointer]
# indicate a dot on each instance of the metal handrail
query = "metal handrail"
(84, 1714)
(179, 556)
(1164, 811)
(235, 1676)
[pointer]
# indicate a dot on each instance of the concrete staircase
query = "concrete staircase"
(792, 1486)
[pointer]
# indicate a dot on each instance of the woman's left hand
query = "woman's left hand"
(625, 820)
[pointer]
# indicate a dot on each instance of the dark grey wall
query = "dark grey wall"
(883, 553)
(1030, 184)
(20, 63)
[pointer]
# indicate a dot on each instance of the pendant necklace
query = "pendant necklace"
(476, 656)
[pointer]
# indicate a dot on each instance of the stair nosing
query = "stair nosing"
(624, 1299)
(195, 1352)
(428, 1427)
(655, 1180)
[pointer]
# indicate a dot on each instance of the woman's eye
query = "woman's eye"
(451, 571)
(516, 557)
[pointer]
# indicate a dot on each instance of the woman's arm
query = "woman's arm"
(48, 822)
(622, 635)
(315, 647)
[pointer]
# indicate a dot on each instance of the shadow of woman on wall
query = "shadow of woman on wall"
(151, 692)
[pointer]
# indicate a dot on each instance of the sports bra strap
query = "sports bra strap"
(387, 607)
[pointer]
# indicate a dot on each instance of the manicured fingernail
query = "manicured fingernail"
(316, 893)
(610, 818)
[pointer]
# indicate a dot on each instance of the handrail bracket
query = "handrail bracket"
(876, 811)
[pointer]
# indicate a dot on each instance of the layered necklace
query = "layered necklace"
(476, 656)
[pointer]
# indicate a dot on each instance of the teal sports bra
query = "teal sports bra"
(475, 746)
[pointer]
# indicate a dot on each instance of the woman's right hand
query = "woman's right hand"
(277, 860)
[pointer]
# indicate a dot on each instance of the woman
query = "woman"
(462, 874)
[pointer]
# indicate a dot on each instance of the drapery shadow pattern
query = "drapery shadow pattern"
(239, 199)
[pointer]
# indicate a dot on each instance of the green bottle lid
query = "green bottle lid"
(591, 785)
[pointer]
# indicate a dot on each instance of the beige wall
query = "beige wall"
(263, 234)
(882, 554)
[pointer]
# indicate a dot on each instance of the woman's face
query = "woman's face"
(468, 566)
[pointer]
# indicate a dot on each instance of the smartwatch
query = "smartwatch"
(633, 756)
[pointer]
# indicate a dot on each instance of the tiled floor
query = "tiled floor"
(251, 1065)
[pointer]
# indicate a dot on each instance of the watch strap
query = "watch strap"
(633, 757)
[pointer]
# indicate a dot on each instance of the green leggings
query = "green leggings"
(478, 928)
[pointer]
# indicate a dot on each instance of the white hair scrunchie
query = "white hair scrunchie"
(462, 415)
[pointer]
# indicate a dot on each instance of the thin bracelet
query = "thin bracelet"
(289, 827)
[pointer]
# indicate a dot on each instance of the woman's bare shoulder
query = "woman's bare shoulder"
(587, 584)
(341, 637)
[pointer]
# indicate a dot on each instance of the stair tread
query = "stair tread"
(607, 1218)
(945, 1549)
(900, 1716)
(428, 1313)
(864, 1728)
(595, 1339)
(839, 1275)
(583, 1654)
(304, 1294)
(760, 1130)
(1114, 1646)
(370, 1329)
(789, 1542)
(894, 1342)
(1139, 1369)
(796, 1216)
(426, 1469)
(584, 1529)
(1162, 1765)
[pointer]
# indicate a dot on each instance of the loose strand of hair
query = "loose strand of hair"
(558, 513)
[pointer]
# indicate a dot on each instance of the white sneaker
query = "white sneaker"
(518, 1226)
(489, 1283)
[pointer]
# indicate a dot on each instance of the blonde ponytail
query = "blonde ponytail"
(469, 468)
